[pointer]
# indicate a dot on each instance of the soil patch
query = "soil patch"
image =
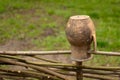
(12, 45)
(48, 32)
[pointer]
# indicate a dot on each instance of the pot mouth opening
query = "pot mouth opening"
(79, 17)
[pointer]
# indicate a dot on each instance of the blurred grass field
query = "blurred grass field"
(42, 24)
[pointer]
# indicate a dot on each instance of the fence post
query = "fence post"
(79, 73)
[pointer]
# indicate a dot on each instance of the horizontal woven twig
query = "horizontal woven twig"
(55, 52)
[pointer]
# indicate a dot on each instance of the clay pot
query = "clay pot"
(80, 33)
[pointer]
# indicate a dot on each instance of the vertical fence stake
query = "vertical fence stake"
(79, 73)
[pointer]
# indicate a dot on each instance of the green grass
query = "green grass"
(30, 19)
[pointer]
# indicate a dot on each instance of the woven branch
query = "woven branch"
(38, 66)
(41, 69)
(63, 65)
(24, 73)
(55, 52)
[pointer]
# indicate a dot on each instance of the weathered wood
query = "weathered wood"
(79, 72)
(101, 77)
(25, 73)
(67, 65)
(93, 76)
(34, 52)
(72, 67)
(45, 70)
(64, 65)
(105, 53)
(101, 72)
(55, 53)
(4, 77)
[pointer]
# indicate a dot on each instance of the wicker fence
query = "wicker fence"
(53, 70)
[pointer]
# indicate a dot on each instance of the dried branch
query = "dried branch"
(55, 52)
(69, 67)
(89, 75)
(111, 73)
(34, 52)
(64, 65)
(25, 73)
(2, 76)
(73, 65)
(101, 77)
(105, 53)
(41, 69)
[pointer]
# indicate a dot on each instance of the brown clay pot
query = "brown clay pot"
(80, 33)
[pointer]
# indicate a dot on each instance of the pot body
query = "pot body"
(79, 32)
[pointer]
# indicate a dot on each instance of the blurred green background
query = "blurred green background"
(40, 25)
